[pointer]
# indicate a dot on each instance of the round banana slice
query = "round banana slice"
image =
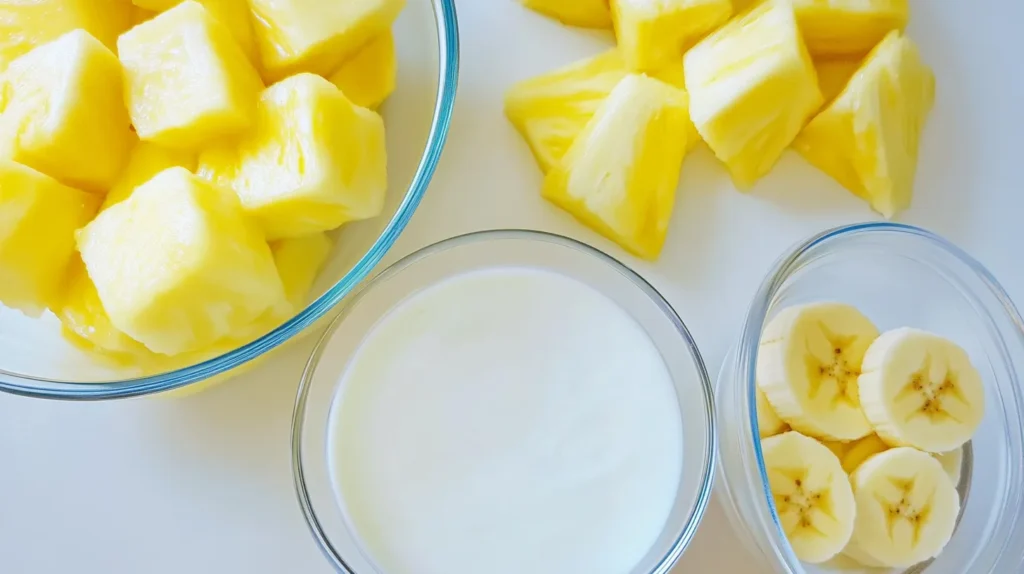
(812, 495)
(906, 509)
(859, 451)
(807, 366)
(768, 423)
(953, 463)
(920, 390)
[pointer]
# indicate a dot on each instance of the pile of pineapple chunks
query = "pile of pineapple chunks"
(836, 80)
(169, 169)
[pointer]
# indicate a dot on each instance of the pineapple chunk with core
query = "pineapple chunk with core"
(38, 219)
(146, 160)
(620, 175)
(63, 113)
(298, 261)
(25, 24)
(316, 36)
(178, 266)
(848, 27)
(187, 81)
(583, 13)
(313, 162)
(867, 139)
(833, 75)
(654, 33)
(234, 14)
(752, 88)
(368, 78)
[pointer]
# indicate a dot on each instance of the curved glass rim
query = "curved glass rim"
(710, 462)
(448, 72)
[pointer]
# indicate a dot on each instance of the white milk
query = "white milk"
(508, 420)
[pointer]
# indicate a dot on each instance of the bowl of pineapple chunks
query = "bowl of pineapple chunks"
(186, 185)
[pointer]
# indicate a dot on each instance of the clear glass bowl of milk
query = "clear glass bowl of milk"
(505, 402)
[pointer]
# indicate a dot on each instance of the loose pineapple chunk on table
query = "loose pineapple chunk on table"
(654, 33)
(178, 266)
(234, 14)
(313, 161)
(38, 219)
(752, 87)
(146, 160)
(583, 13)
(620, 175)
(368, 78)
(187, 81)
(848, 27)
(25, 24)
(867, 139)
(63, 112)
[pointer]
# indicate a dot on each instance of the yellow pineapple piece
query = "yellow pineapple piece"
(620, 175)
(583, 13)
(368, 78)
(752, 87)
(848, 27)
(25, 24)
(867, 139)
(146, 160)
(178, 266)
(313, 161)
(63, 113)
(38, 219)
(316, 36)
(550, 110)
(298, 261)
(234, 14)
(187, 81)
(833, 75)
(140, 15)
(653, 34)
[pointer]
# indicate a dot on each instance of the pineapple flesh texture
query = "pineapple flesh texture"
(752, 88)
(550, 110)
(867, 139)
(178, 266)
(187, 81)
(298, 261)
(848, 27)
(25, 24)
(316, 36)
(582, 13)
(833, 75)
(653, 34)
(38, 219)
(146, 160)
(313, 162)
(234, 14)
(63, 112)
(620, 175)
(368, 78)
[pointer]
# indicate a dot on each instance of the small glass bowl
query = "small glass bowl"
(897, 275)
(490, 249)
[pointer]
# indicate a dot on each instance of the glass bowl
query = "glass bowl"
(322, 378)
(897, 275)
(35, 360)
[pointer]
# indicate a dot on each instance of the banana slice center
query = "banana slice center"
(932, 393)
(800, 503)
(900, 508)
(829, 365)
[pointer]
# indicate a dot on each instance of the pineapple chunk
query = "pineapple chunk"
(316, 36)
(177, 265)
(583, 13)
(620, 175)
(653, 34)
(313, 161)
(298, 261)
(63, 112)
(187, 81)
(848, 27)
(25, 24)
(833, 75)
(550, 110)
(140, 15)
(368, 78)
(146, 160)
(38, 219)
(234, 14)
(867, 139)
(752, 87)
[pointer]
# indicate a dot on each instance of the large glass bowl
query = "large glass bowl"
(36, 361)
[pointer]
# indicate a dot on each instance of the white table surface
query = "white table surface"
(203, 484)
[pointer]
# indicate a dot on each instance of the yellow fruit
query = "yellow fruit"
(234, 14)
(368, 78)
(25, 24)
(867, 139)
(550, 110)
(848, 27)
(140, 15)
(833, 75)
(653, 34)
(146, 160)
(583, 13)
(38, 219)
(178, 266)
(313, 161)
(187, 81)
(752, 87)
(63, 113)
(620, 175)
(316, 36)
(298, 261)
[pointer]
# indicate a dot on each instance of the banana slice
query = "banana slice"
(953, 463)
(807, 366)
(812, 495)
(859, 451)
(920, 390)
(768, 423)
(906, 509)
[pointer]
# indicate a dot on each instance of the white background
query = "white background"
(202, 484)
